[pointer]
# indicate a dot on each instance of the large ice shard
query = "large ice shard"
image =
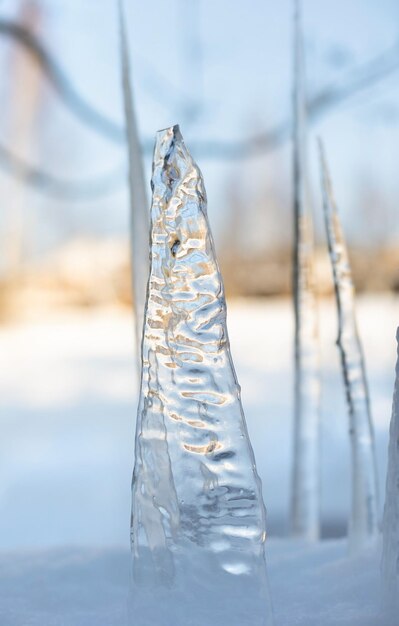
(390, 525)
(305, 483)
(198, 519)
(363, 523)
(139, 206)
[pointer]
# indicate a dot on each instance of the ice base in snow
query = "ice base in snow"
(198, 519)
(390, 526)
(201, 592)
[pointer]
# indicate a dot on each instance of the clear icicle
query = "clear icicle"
(390, 526)
(305, 488)
(363, 523)
(139, 206)
(198, 519)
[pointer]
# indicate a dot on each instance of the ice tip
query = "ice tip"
(166, 140)
(397, 336)
(124, 49)
(171, 132)
(121, 23)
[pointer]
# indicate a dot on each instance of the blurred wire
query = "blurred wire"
(88, 189)
(88, 114)
(357, 81)
(360, 79)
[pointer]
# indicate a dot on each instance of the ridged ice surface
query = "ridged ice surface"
(363, 523)
(390, 553)
(198, 519)
(305, 489)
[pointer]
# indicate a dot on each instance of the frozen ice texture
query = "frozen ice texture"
(198, 518)
(363, 522)
(139, 205)
(305, 483)
(390, 526)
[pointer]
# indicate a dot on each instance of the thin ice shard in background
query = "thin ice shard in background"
(363, 523)
(198, 519)
(305, 484)
(390, 526)
(139, 206)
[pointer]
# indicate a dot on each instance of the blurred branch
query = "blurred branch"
(78, 105)
(88, 114)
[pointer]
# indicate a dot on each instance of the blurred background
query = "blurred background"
(222, 69)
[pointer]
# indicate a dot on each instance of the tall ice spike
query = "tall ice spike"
(139, 206)
(390, 525)
(198, 519)
(363, 523)
(305, 484)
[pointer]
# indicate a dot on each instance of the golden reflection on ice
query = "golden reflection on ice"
(194, 478)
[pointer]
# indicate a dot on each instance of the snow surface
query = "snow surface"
(68, 405)
(316, 586)
(68, 395)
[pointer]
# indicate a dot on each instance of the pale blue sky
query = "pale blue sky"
(243, 84)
